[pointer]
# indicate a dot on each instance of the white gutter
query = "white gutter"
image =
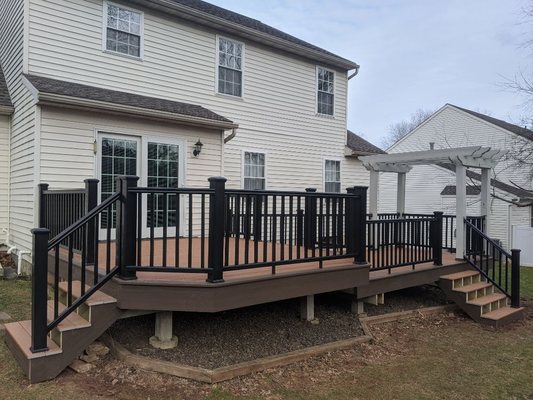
(355, 73)
(231, 137)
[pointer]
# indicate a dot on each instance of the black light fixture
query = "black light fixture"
(197, 148)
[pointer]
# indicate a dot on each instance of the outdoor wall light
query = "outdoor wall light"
(197, 148)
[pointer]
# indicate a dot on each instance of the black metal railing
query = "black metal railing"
(499, 267)
(216, 230)
(55, 263)
(405, 241)
(59, 209)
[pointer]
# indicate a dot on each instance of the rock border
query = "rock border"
(245, 368)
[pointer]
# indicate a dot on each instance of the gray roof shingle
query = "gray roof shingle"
(515, 191)
(518, 130)
(5, 100)
(76, 90)
(239, 19)
(360, 145)
(451, 190)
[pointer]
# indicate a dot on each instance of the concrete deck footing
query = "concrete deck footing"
(163, 338)
(307, 308)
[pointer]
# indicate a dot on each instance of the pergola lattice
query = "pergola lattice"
(484, 158)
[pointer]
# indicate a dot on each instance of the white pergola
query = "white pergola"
(484, 158)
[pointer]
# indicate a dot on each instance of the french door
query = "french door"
(158, 164)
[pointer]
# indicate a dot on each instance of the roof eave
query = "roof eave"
(7, 110)
(349, 152)
(87, 104)
(211, 20)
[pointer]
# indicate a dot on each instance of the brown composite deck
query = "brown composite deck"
(178, 291)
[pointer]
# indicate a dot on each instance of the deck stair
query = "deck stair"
(480, 299)
(68, 339)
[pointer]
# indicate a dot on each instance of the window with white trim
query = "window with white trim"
(123, 30)
(325, 91)
(230, 67)
(332, 176)
(254, 171)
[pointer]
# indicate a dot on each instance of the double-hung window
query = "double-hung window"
(230, 66)
(332, 176)
(325, 91)
(123, 30)
(254, 171)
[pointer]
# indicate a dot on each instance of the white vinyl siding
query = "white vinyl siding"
(122, 30)
(332, 176)
(278, 110)
(22, 143)
(254, 170)
(230, 60)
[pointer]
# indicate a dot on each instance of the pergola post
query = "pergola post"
(400, 194)
(373, 194)
(485, 197)
(460, 209)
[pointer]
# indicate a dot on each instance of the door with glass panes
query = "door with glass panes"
(157, 163)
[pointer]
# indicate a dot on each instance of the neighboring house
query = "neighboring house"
(432, 188)
(101, 89)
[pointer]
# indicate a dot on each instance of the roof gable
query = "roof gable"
(518, 130)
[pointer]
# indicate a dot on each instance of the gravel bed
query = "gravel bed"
(409, 299)
(226, 338)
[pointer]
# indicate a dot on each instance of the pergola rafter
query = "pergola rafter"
(484, 158)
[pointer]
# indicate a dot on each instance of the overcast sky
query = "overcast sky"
(413, 53)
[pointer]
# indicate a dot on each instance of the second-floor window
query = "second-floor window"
(325, 91)
(332, 176)
(230, 66)
(254, 171)
(123, 30)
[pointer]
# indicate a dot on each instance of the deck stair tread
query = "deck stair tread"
(97, 298)
(473, 287)
(502, 313)
(20, 332)
(72, 321)
(459, 275)
(491, 298)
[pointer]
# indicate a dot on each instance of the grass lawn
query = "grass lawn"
(445, 356)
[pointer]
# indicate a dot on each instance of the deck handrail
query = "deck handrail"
(495, 264)
(48, 253)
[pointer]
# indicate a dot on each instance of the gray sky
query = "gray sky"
(413, 53)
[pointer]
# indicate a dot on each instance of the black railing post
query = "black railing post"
(258, 204)
(39, 290)
(436, 237)
(357, 225)
(91, 201)
(217, 205)
(310, 217)
(126, 227)
(43, 187)
(515, 278)
(299, 227)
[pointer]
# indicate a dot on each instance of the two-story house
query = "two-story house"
(174, 91)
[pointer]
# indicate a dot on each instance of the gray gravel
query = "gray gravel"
(216, 340)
